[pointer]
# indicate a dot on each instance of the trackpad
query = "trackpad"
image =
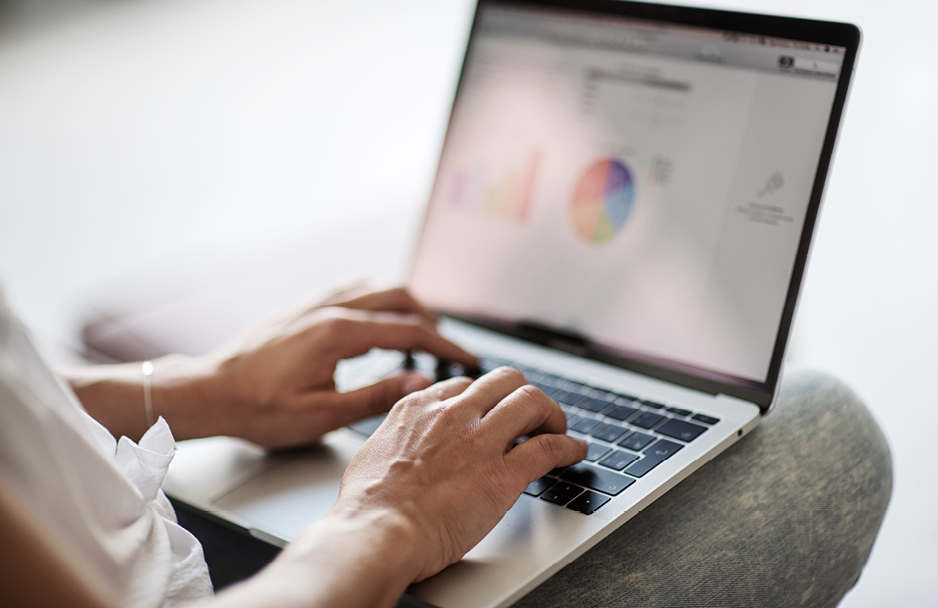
(294, 488)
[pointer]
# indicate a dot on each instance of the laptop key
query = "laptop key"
(594, 404)
(565, 397)
(705, 419)
(537, 487)
(621, 412)
(489, 364)
(608, 432)
(679, 412)
(663, 447)
(679, 429)
(584, 425)
(561, 493)
(647, 420)
(655, 454)
(618, 460)
(644, 465)
(601, 480)
(636, 441)
(573, 399)
(549, 389)
(596, 451)
(653, 405)
(588, 502)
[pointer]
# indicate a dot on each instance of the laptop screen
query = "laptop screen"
(638, 184)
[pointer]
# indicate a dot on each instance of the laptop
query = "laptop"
(623, 210)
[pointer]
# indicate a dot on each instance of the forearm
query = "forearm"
(114, 395)
(35, 571)
(360, 560)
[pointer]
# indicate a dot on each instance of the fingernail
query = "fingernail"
(414, 382)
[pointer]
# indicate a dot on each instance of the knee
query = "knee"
(826, 417)
(840, 449)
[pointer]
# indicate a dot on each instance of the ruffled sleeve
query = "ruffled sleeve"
(145, 464)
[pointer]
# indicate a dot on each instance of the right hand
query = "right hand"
(445, 461)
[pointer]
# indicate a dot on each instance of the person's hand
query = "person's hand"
(424, 489)
(274, 385)
(445, 462)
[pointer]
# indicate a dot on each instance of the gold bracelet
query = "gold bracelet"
(147, 369)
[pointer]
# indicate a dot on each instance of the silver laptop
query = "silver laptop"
(623, 209)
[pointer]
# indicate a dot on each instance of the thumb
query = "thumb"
(381, 396)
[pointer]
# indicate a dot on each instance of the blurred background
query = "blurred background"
(155, 151)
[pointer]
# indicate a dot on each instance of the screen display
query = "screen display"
(642, 185)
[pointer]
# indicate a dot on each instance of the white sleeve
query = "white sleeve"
(97, 498)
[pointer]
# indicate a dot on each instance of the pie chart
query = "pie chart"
(602, 200)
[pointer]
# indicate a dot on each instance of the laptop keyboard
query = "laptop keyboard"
(627, 438)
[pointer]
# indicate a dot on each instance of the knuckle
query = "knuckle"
(530, 397)
(461, 383)
(531, 393)
(411, 324)
(399, 293)
(512, 374)
(552, 446)
(420, 322)
(338, 325)
(404, 405)
(413, 400)
(449, 411)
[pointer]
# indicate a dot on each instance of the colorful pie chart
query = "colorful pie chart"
(602, 200)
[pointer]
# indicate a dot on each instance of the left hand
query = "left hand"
(275, 387)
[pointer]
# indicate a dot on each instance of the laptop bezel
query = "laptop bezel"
(810, 31)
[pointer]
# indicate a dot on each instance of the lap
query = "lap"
(787, 516)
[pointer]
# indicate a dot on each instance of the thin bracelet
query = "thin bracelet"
(147, 369)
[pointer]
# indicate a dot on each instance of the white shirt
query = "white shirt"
(97, 498)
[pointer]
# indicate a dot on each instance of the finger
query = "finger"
(538, 455)
(338, 297)
(409, 410)
(356, 335)
(489, 390)
(526, 411)
(380, 396)
(447, 389)
(395, 300)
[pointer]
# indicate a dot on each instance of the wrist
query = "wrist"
(184, 392)
(347, 558)
(180, 390)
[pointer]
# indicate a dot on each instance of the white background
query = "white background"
(137, 137)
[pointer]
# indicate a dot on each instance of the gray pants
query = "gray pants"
(786, 517)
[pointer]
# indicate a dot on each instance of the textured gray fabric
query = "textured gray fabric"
(785, 517)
